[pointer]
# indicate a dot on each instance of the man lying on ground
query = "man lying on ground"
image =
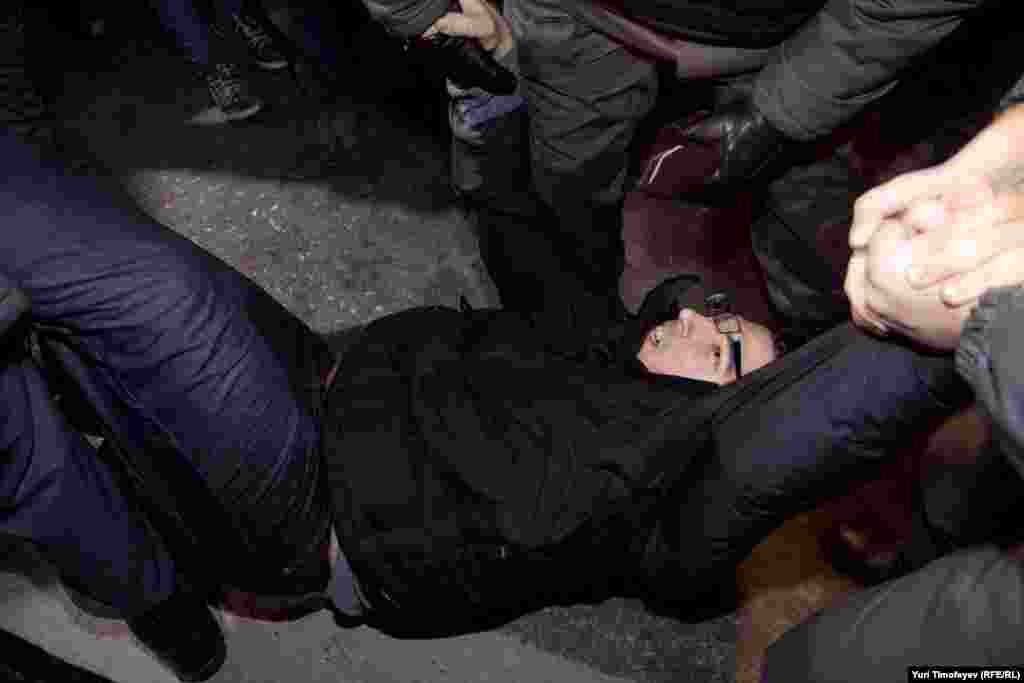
(469, 465)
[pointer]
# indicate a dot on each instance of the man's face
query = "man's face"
(691, 346)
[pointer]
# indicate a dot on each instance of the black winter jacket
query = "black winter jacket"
(486, 463)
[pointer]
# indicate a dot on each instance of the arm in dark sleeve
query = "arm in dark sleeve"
(835, 409)
(847, 56)
(406, 18)
(989, 358)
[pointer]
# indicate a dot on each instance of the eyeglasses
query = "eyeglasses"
(719, 310)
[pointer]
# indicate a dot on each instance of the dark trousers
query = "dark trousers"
(185, 361)
(193, 31)
(533, 265)
(57, 493)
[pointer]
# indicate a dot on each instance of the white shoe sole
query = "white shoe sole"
(243, 114)
(214, 116)
(276, 65)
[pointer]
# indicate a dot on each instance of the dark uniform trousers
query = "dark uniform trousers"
(193, 371)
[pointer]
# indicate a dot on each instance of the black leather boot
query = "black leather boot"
(712, 155)
(182, 633)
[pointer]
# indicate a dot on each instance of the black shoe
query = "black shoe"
(182, 633)
(230, 93)
(464, 62)
(261, 43)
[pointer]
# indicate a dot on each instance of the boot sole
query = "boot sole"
(242, 113)
(275, 65)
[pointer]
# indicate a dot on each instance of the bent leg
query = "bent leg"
(179, 352)
(191, 31)
(55, 492)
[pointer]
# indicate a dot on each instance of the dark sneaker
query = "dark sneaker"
(260, 42)
(231, 93)
(182, 633)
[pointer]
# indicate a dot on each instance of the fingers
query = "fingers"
(856, 285)
(872, 207)
(973, 190)
(969, 238)
(469, 25)
(476, 20)
(927, 215)
(1004, 270)
(957, 190)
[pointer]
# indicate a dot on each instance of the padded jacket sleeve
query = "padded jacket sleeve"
(836, 408)
(989, 358)
(406, 18)
(849, 55)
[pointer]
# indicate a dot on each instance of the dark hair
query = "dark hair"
(661, 304)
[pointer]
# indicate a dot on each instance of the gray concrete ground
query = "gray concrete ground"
(377, 232)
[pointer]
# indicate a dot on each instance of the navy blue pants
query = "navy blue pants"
(184, 359)
(193, 32)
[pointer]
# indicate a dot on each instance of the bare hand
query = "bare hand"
(1004, 270)
(857, 287)
(940, 185)
(888, 299)
(478, 19)
(966, 248)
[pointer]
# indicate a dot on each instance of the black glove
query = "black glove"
(464, 62)
(713, 154)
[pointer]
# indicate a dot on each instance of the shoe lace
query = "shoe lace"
(253, 32)
(225, 82)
